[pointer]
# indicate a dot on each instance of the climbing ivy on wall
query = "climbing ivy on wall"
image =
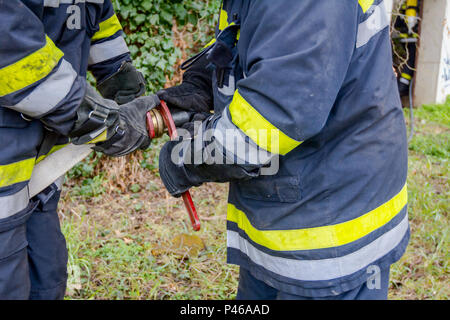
(149, 27)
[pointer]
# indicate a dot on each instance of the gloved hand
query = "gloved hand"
(189, 163)
(174, 175)
(115, 131)
(195, 92)
(195, 119)
(179, 177)
(123, 86)
(131, 131)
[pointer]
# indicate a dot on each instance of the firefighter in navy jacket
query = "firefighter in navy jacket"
(317, 162)
(46, 49)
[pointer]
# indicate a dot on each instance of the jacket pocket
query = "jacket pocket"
(271, 188)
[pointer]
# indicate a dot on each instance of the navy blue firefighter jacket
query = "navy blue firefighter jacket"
(46, 49)
(309, 85)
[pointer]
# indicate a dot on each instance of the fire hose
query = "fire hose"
(158, 121)
(55, 165)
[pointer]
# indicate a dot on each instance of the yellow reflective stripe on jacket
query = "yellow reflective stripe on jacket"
(261, 131)
(52, 150)
(406, 76)
(107, 28)
(16, 172)
(321, 237)
(365, 4)
(411, 5)
(223, 23)
(210, 43)
(223, 20)
(30, 69)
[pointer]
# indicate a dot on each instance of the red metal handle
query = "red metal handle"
(171, 128)
(167, 117)
(190, 207)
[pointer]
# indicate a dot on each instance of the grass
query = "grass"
(123, 230)
(124, 242)
(125, 248)
(423, 271)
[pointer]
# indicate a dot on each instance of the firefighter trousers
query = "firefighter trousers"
(33, 252)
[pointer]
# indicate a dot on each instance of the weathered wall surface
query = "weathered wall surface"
(432, 83)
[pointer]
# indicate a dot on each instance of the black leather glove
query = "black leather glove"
(131, 131)
(195, 119)
(123, 86)
(94, 115)
(115, 131)
(175, 176)
(180, 177)
(179, 170)
(195, 92)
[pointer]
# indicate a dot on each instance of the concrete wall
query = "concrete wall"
(389, 6)
(432, 82)
(444, 71)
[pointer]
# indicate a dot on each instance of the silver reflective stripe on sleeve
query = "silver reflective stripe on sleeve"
(56, 3)
(323, 269)
(49, 93)
(405, 81)
(237, 144)
(377, 21)
(52, 3)
(106, 50)
(12, 204)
